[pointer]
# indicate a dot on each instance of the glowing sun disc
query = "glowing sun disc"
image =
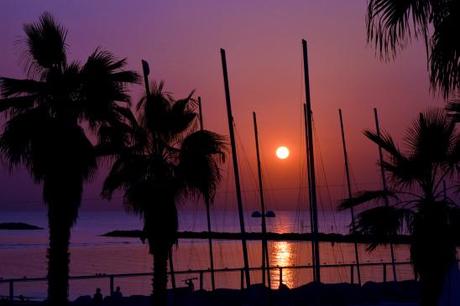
(282, 152)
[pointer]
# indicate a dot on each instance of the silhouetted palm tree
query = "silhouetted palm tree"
(391, 24)
(419, 203)
(166, 159)
(49, 119)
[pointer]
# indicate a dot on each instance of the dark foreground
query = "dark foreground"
(391, 293)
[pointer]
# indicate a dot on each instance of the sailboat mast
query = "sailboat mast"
(308, 182)
(146, 72)
(311, 168)
(208, 213)
(235, 168)
(385, 188)
(265, 258)
(200, 113)
(350, 195)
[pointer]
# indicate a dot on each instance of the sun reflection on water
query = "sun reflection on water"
(282, 255)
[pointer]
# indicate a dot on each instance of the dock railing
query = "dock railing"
(200, 275)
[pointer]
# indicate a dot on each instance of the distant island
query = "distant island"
(18, 226)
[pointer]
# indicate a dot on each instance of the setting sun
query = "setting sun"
(282, 152)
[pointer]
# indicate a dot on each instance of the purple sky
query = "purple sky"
(181, 40)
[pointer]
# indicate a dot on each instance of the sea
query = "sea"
(23, 253)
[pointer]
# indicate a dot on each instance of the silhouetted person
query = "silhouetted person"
(97, 298)
(190, 285)
(283, 287)
(117, 295)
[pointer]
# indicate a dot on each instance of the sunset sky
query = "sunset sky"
(181, 41)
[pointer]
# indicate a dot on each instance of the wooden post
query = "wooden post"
(11, 290)
(385, 188)
(235, 167)
(211, 251)
(281, 275)
(384, 273)
(352, 274)
(311, 169)
(201, 280)
(265, 258)
(171, 269)
(350, 195)
(112, 285)
(208, 213)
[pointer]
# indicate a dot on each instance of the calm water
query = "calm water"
(23, 253)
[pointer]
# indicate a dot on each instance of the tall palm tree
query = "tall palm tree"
(416, 199)
(51, 117)
(166, 159)
(391, 24)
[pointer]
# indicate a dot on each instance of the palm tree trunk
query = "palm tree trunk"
(160, 278)
(58, 258)
(432, 280)
(433, 252)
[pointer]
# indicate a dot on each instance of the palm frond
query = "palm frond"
(445, 50)
(431, 137)
(15, 87)
(47, 147)
(181, 116)
(403, 172)
(453, 161)
(117, 136)
(386, 142)
(104, 82)
(125, 76)
(201, 154)
(124, 115)
(393, 23)
(383, 223)
(156, 89)
(18, 135)
(46, 42)
(166, 118)
(153, 110)
(114, 139)
(365, 197)
(401, 169)
(17, 105)
(129, 169)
